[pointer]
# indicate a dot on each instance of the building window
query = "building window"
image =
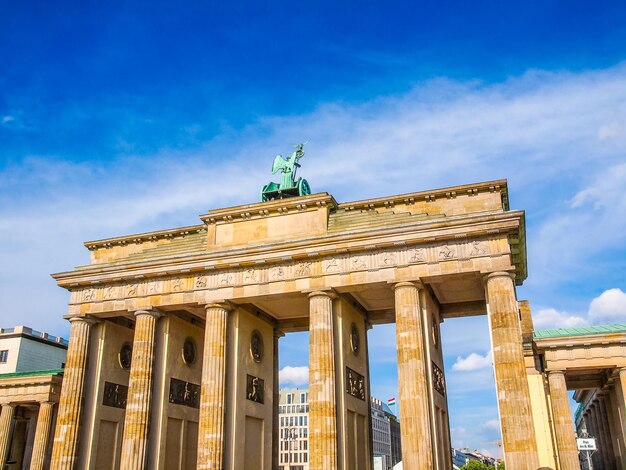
(302, 397)
(4, 354)
(289, 398)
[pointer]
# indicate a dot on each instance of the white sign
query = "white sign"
(586, 444)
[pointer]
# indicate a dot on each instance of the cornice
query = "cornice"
(304, 203)
(143, 237)
(601, 339)
(472, 227)
(432, 194)
(264, 209)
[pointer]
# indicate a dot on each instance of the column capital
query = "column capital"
(82, 318)
(556, 372)
(416, 283)
(497, 274)
(330, 293)
(278, 333)
(224, 305)
(148, 311)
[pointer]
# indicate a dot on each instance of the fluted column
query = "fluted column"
(518, 432)
(138, 404)
(71, 400)
(622, 381)
(412, 383)
(598, 456)
(275, 423)
(563, 421)
(322, 400)
(6, 418)
(607, 452)
(213, 396)
(42, 434)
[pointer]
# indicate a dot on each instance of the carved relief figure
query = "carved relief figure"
(446, 252)
(89, 295)
(278, 272)
(358, 262)
(331, 265)
(478, 248)
(303, 269)
(417, 254)
(201, 282)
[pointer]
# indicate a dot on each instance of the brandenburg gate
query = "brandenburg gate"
(173, 353)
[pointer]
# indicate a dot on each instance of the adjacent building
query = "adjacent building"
(23, 349)
(293, 420)
(31, 371)
(381, 433)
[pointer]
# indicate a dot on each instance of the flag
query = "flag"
(391, 401)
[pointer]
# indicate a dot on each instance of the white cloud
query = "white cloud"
(440, 133)
(610, 306)
(473, 362)
(550, 318)
(294, 376)
(492, 424)
(6, 119)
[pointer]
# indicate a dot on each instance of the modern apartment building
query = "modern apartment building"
(23, 349)
(293, 413)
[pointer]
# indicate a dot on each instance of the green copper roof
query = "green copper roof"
(580, 331)
(32, 373)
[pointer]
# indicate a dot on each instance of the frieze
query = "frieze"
(355, 384)
(342, 264)
(115, 395)
(184, 393)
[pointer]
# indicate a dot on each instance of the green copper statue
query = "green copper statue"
(288, 186)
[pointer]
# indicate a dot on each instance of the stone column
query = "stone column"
(42, 434)
(71, 400)
(275, 423)
(322, 400)
(6, 421)
(563, 421)
(213, 396)
(138, 404)
(518, 432)
(413, 386)
(598, 456)
(622, 381)
(607, 452)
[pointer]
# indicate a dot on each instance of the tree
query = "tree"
(476, 465)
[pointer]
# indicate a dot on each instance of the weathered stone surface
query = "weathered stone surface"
(563, 422)
(212, 401)
(42, 434)
(323, 407)
(518, 435)
(71, 401)
(138, 405)
(415, 427)
(6, 417)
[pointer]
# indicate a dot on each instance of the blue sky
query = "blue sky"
(119, 118)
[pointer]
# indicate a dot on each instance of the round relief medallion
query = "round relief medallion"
(256, 346)
(125, 356)
(355, 340)
(189, 351)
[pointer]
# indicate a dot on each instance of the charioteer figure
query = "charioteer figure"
(288, 186)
